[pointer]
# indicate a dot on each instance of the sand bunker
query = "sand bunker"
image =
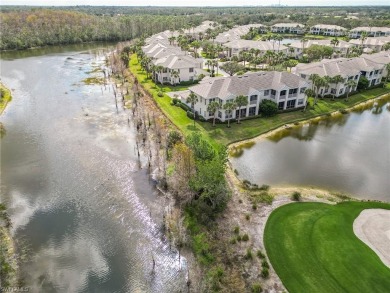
(372, 226)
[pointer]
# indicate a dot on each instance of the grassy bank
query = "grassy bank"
(312, 248)
(5, 97)
(248, 128)
(8, 263)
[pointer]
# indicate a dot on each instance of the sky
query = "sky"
(193, 2)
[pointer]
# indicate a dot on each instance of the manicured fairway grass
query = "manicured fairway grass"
(312, 248)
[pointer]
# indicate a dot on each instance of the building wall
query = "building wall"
(252, 108)
(185, 75)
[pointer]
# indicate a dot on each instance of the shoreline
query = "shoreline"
(251, 220)
(303, 122)
(9, 260)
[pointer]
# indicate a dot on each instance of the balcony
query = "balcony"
(253, 102)
(292, 95)
(282, 97)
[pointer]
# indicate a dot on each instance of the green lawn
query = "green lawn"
(248, 128)
(312, 248)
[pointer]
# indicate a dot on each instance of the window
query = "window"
(302, 91)
(291, 104)
(219, 114)
(341, 91)
(165, 70)
(178, 71)
(281, 105)
(191, 69)
(356, 76)
(252, 111)
(302, 75)
(211, 114)
(300, 102)
(332, 91)
(376, 71)
(283, 93)
(253, 99)
(273, 92)
(266, 92)
(165, 78)
(292, 91)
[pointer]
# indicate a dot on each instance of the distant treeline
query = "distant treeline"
(41, 27)
(25, 27)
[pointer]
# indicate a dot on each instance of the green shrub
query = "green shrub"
(296, 196)
(268, 108)
(235, 171)
(160, 94)
(264, 187)
(175, 101)
(233, 241)
(256, 288)
(249, 254)
(245, 237)
(239, 238)
(247, 217)
(184, 107)
(264, 272)
(236, 230)
(265, 264)
(254, 206)
(173, 138)
(190, 115)
(260, 254)
(240, 200)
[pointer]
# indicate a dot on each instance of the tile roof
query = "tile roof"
(289, 25)
(329, 26)
(341, 66)
(224, 87)
(341, 44)
(178, 62)
(261, 45)
(371, 29)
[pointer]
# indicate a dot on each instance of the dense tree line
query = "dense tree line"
(40, 27)
(24, 27)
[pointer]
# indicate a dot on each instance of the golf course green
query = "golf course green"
(313, 248)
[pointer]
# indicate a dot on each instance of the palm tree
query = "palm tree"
(388, 72)
(335, 41)
(351, 84)
(308, 93)
(337, 79)
(317, 82)
(175, 75)
(196, 46)
(303, 41)
(208, 63)
(229, 107)
(279, 38)
(213, 107)
(192, 99)
(160, 69)
(241, 101)
(363, 37)
(171, 40)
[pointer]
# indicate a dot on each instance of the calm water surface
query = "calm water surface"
(87, 214)
(347, 153)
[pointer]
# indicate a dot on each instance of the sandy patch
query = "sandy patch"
(372, 227)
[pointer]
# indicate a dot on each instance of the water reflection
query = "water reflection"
(71, 177)
(348, 153)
